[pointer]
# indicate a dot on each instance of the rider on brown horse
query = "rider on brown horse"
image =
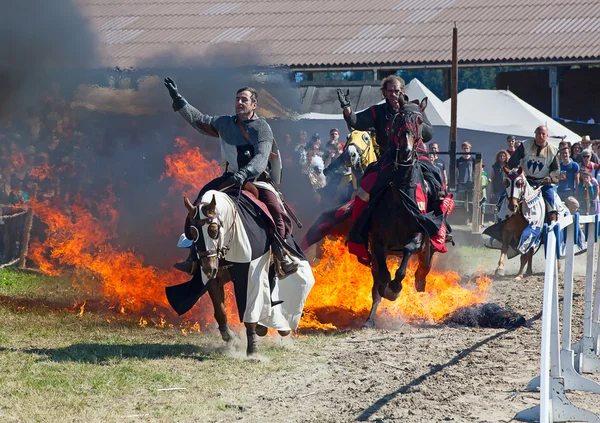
(380, 116)
(246, 146)
(540, 163)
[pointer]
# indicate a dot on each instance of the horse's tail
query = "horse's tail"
(336, 221)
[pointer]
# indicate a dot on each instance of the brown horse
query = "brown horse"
(394, 225)
(518, 191)
(231, 239)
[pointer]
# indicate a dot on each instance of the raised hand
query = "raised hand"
(172, 87)
(343, 98)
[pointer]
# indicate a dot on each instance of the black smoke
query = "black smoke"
(51, 71)
(38, 37)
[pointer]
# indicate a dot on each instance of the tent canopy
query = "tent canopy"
(502, 112)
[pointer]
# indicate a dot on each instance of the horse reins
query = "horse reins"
(219, 251)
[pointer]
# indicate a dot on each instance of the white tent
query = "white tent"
(437, 112)
(502, 112)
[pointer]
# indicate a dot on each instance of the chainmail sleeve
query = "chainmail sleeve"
(205, 124)
(259, 162)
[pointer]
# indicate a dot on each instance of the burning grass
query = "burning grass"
(342, 298)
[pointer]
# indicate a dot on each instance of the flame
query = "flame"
(341, 296)
(189, 169)
(85, 237)
(41, 172)
(82, 308)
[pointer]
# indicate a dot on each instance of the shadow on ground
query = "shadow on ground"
(102, 353)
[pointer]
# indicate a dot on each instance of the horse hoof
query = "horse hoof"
(261, 330)
(382, 290)
(420, 286)
(284, 332)
(391, 295)
(227, 334)
(499, 272)
(369, 324)
(252, 345)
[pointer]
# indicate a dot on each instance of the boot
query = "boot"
(284, 264)
(188, 266)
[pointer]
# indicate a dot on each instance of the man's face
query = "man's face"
(434, 148)
(541, 135)
(510, 142)
(393, 92)
(466, 149)
(334, 135)
(244, 103)
(565, 153)
(585, 144)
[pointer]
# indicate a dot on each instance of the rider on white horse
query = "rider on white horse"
(539, 160)
(246, 146)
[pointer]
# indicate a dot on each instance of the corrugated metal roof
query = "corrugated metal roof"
(350, 33)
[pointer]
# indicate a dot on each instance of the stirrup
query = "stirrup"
(188, 266)
(283, 268)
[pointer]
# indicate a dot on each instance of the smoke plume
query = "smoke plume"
(38, 37)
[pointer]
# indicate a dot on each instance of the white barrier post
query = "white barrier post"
(554, 405)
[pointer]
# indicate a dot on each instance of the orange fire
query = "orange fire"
(189, 169)
(85, 237)
(342, 297)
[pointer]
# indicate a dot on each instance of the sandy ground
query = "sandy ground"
(406, 373)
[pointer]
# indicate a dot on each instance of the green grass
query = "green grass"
(57, 366)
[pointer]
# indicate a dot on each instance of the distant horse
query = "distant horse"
(230, 232)
(344, 173)
(521, 230)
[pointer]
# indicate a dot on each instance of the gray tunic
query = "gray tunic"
(233, 142)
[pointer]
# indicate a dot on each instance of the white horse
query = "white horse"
(521, 218)
(228, 230)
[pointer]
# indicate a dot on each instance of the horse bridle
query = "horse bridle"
(220, 251)
(521, 197)
(408, 124)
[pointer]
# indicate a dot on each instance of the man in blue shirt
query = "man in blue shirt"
(569, 173)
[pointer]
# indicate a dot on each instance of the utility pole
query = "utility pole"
(453, 110)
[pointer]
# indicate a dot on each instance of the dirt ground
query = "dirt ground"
(60, 366)
(419, 374)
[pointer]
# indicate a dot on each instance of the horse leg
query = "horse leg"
(252, 347)
(409, 250)
(529, 264)
(370, 323)
(506, 237)
(524, 260)
(425, 259)
(379, 270)
(216, 291)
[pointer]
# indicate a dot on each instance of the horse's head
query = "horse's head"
(358, 148)
(405, 131)
(206, 228)
(516, 185)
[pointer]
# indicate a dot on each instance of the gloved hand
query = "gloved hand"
(238, 178)
(172, 87)
(343, 98)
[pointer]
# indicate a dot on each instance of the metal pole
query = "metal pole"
(453, 110)
(554, 85)
(477, 218)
